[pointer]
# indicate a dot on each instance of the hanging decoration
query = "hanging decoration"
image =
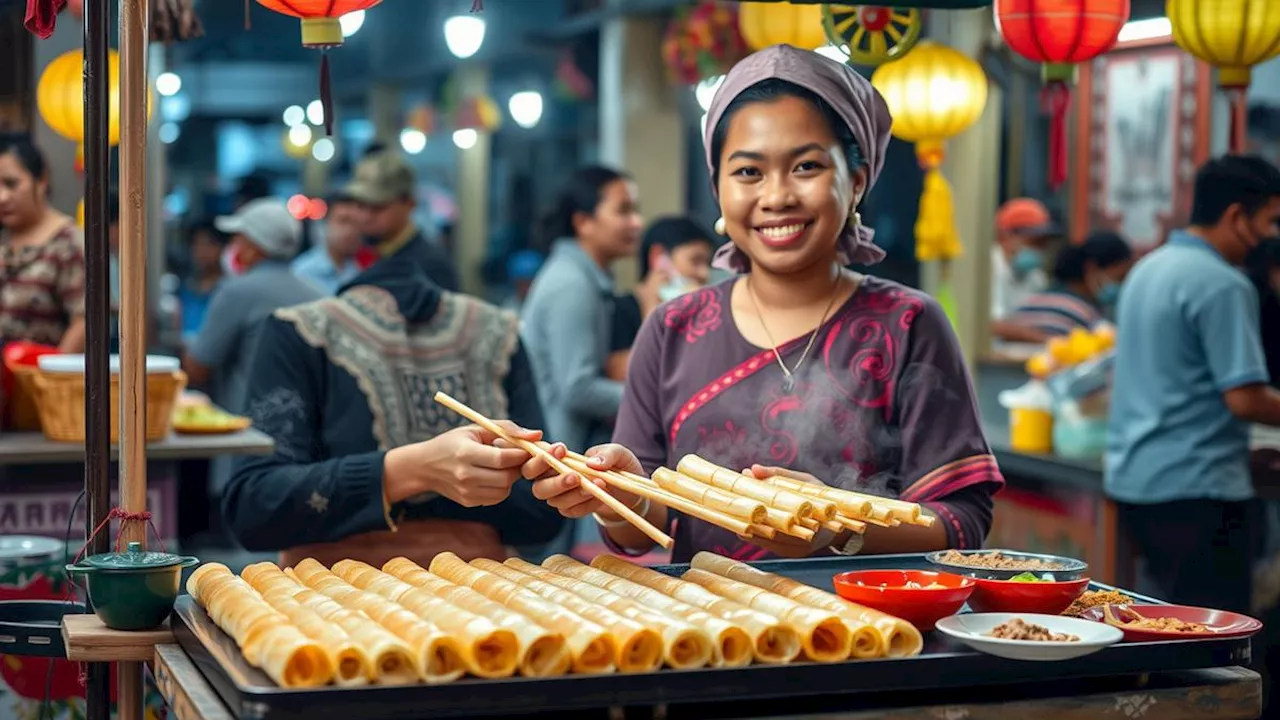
(321, 31)
(872, 34)
(421, 118)
(571, 82)
(782, 23)
(60, 99)
(934, 93)
(1060, 35)
(478, 112)
(703, 41)
(1233, 36)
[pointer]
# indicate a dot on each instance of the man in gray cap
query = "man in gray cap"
(385, 185)
(264, 239)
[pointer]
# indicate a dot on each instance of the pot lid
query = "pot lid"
(135, 558)
(20, 547)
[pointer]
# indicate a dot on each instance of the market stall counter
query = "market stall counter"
(217, 670)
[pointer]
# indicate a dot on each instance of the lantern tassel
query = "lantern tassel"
(477, 5)
(1239, 134)
(1055, 101)
(936, 236)
(326, 94)
(248, 24)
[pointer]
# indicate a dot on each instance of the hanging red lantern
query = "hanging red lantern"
(321, 31)
(1060, 34)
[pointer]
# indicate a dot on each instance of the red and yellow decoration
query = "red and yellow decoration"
(782, 23)
(872, 34)
(322, 31)
(478, 112)
(703, 41)
(1060, 34)
(1233, 36)
(421, 118)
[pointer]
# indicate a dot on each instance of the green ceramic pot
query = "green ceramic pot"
(135, 589)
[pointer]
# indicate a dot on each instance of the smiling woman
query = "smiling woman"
(797, 366)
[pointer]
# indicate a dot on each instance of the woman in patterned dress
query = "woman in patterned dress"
(798, 366)
(41, 256)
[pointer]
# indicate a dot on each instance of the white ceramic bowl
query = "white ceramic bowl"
(74, 363)
(974, 630)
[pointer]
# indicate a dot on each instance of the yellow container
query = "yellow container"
(1030, 430)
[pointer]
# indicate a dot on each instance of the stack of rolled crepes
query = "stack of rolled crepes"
(355, 624)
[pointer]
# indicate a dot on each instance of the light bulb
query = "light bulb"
(465, 138)
(315, 112)
(413, 141)
(351, 23)
(168, 84)
(323, 150)
(294, 115)
(464, 34)
(299, 135)
(169, 133)
(833, 52)
(705, 91)
(526, 108)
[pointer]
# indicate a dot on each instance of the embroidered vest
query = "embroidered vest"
(464, 350)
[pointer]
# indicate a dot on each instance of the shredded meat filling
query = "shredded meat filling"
(997, 560)
(1017, 629)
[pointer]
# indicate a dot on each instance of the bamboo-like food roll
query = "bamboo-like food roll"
(265, 637)
(900, 638)
(488, 650)
(403, 647)
(823, 635)
(773, 641)
(684, 646)
(846, 503)
(352, 665)
(646, 488)
(726, 479)
(636, 648)
(743, 508)
(591, 645)
(543, 653)
(733, 646)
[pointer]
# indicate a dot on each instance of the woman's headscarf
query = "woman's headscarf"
(853, 98)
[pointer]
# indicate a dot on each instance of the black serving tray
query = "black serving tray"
(251, 695)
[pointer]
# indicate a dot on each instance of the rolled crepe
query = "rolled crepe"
(488, 650)
(401, 651)
(265, 636)
(733, 646)
(773, 641)
(684, 646)
(743, 508)
(543, 653)
(824, 637)
(899, 637)
(739, 484)
(590, 644)
(636, 648)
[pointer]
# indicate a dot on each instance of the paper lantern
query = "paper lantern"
(60, 98)
(321, 31)
(1060, 34)
(934, 94)
(702, 42)
(781, 23)
(1233, 36)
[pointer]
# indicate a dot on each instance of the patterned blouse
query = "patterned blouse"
(884, 405)
(41, 287)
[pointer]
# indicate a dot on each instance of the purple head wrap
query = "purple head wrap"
(852, 97)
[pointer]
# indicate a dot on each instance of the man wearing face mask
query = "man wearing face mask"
(1086, 287)
(1190, 375)
(1023, 229)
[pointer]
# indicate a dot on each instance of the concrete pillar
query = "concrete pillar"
(471, 234)
(973, 167)
(641, 128)
(385, 113)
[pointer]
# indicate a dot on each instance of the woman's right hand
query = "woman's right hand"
(565, 493)
(466, 465)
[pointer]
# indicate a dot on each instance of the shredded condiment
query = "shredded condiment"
(996, 560)
(1094, 598)
(1130, 618)
(1017, 629)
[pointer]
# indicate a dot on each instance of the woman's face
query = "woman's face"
(785, 186)
(613, 231)
(21, 195)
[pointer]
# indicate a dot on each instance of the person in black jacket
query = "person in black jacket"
(366, 465)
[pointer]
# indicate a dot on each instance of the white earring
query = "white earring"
(855, 218)
(719, 227)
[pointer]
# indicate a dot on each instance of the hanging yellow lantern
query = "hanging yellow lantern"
(1233, 36)
(60, 98)
(934, 94)
(781, 23)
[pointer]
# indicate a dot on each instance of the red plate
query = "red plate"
(885, 590)
(1222, 624)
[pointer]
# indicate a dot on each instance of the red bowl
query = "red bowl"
(1221, 623)
(1046, 598)
(886, 591)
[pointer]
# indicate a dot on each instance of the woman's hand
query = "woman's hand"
(463, 465)
(564, 492)
(783, 544)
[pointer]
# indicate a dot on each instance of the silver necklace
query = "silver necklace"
(788, 374)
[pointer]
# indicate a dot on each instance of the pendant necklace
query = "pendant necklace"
(788, 374)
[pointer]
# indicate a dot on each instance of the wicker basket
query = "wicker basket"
(60, 400)
(22, 413)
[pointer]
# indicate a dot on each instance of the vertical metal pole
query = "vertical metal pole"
(97, 396)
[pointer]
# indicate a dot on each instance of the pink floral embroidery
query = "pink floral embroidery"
(694, 315)
(742, 553)
(872, 368)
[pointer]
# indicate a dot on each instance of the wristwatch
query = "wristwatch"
(852, 546)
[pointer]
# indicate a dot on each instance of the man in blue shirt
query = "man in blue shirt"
(1190, 376)
(332, 263)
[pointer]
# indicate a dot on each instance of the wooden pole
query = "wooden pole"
(134, 16)
(97, 395)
